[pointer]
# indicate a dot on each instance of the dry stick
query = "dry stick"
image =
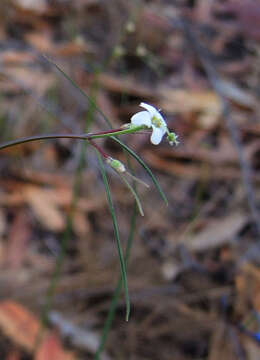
(215, 81)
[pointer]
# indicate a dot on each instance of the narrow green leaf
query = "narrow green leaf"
(114, 302)
(138, 202)
(147, 169)
(119, 248)
(72, 82)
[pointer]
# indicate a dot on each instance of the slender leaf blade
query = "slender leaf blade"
(116, 231)
(146, 168)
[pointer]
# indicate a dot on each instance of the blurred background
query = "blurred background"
(193, 273)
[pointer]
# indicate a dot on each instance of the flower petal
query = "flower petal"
(141, 118)
(157, 135)
(151, 109)
(163, 128)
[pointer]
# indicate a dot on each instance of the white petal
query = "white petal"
(151, 109)
(157, 135)
(163, 128)
(141, 118)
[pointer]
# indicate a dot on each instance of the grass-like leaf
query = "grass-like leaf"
(72, 82)
(132, 190)
(112, 308)
(119, 248)
(143, 164)
(114, 302)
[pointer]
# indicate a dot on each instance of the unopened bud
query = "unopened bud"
(130, 27)
(141, 50)
(126, 126)
(172, 138)
(116, 165)
(119, 51)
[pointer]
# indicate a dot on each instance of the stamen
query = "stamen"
(156, 122)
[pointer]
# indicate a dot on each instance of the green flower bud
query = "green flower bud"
(116, 165)
(172, 138)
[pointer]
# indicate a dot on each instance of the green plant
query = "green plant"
(144, 120)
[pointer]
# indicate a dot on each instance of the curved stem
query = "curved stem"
(70, 136)
(40, 137)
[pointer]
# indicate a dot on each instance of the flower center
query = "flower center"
(156, 121)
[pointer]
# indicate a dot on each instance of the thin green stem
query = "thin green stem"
(116, 231)
(69, 136)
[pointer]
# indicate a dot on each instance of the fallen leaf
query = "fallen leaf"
(204, 103)
(45, 208)
(39, 6)
(217, 233)
(14, 57)
(51, 349)
(19, 324)
(13, 355)
(248, 15)
(236, 94)
(18, 237)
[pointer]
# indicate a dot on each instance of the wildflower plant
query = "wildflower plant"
(149, 119)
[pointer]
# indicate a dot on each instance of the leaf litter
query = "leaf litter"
(194, 269)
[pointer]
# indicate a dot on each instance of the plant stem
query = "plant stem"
(98, 135)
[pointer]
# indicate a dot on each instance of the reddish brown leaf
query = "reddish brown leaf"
(13, 355)
(19, 235)
(19, 324)
(51, 349)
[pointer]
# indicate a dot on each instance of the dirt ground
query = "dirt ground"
(194, 268)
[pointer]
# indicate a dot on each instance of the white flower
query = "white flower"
(152, 119)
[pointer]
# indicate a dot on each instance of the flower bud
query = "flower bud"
(116, 165)
(172, 138)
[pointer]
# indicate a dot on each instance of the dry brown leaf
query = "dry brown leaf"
(217, 232)
(232, 92)
(73, 48)
(204, 103)
(2, 222)
(23, 328)
(220, 346)
(45, 44)
(252, 270)
(19, 324)
(26, 78)
(15, 57)
(45, 208)
(39, 6)
(13, 355)
(18, 237)
(40, 41)
(51, 349)
(251, 349)
(194, 170)
(248, 16)
(81, 224)
(125, 85)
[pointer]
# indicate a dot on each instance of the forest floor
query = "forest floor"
(194, 268)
